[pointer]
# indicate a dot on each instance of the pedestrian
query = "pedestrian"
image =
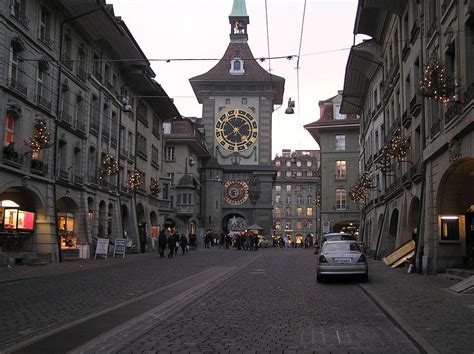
(228, 241)
(183, 242)
(176, 241)
(162, 241)
(171, 245)
(222, 239)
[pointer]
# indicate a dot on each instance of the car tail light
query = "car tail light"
(322, 259)
(362, 259)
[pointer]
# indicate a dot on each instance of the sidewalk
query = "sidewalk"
(25, 272)
(444, 319)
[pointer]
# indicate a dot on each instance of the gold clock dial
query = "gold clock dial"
(236, 192)
(236, 130)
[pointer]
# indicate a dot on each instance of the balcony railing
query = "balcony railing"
(43, 102)
(454, 110)
(44, 37)
(39, 167)
(81, 73)
(81, 126)
(78, 179)
(184, 210)
(435, 128)
(21, 18)
(65, 117)
(67, 61)
(18, 86)
(12, 158)
(64, 175)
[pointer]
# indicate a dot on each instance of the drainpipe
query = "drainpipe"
(58, 101)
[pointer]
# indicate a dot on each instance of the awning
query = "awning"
(254, 227)
(363, 62)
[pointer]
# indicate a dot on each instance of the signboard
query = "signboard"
(102, 247)
(326, 226)
(25, 220)
(120, 246)
(18, 219)
(154, 231)
(10, 220)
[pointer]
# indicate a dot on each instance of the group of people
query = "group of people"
(288, 242)
(173, 241)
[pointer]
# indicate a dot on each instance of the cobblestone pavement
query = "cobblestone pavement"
(261, 301)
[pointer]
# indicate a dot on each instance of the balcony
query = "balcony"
(67, 61)
(164, 205)
(435, 128)
(43, 36)
(81, 126)
(78, 179)
(38, 167)
(453, 111)
(64, 175)
(11, 157)
(20, 17)
(65, 117)
(185, 210)
(81, 73)
(97, 75)
(406, 119)
(43, 102)
(16, 85)
(125, 189)
(415, 105)
(394, 187)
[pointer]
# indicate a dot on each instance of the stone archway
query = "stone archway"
(413, 220)
(153, 218)
(125, 214)
(68, 226)
(102, 226)
(234, 222)
(140, 214)
(22, 238)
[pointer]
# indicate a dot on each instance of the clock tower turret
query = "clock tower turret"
(237, 97)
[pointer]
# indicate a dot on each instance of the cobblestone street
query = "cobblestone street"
(228, 301)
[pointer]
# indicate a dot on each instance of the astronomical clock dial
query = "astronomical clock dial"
(236, 130)
(236, 192)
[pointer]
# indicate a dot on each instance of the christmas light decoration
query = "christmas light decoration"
(41, 139)
(358, 193)
(155, 186)
(135, 179)
(367, 180)
(437, 83)
(109, 167)
(398, 146)
(384, 163)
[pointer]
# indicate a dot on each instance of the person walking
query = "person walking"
(228, 241)
(162, 241)
(176, 241)
(183, 242)
(171, 245)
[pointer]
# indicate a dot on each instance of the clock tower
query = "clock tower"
(237, 97)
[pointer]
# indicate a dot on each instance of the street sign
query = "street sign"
(326, 226)
(120, 246)
(102, 247)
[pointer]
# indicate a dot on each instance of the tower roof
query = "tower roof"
(239, 9)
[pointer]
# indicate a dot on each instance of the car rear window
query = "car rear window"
(341, 247)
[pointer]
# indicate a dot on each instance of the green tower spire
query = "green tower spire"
(239, 9)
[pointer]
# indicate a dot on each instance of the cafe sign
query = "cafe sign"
(14, 219)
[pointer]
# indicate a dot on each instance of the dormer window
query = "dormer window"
(237, 67)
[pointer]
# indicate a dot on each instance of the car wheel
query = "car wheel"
(365, 278)
(319, 278)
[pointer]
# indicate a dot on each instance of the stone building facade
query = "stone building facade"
(427, 194)
(337, 135)
(93, 120)
(296, 194)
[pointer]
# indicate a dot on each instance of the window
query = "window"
(278, 173)
(67, 55)
(227, 101)
(309, 199)
(288, 163)
(298, 163)
(156, 126)
(14, 67)
(167, 128)
(277, 212)
(309, 163)
(299, 211)
(171, 177)
(288, 199)
(97, 66)
(278, 188)
(165, 191)
(169, 153)
(95, 111)
(299, 173)
(299, 199)
(40, 84)
(341, 169)
(18, 10)
(309, 211)
(288, 173)
(449, 228)
(9, 129)
(277, 163)
(277, 225)
(340, 142)
(288, 225)
(288, 213)
(309, 173)
(340, 199)
(237, 67)
(288, 187)
(155, 157)
(299, 225)
(337, 113)
(277, 199)
(44, 26)
(244, 101)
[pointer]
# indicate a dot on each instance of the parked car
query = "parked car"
(341, 257)
(337, 236)
(262, 241)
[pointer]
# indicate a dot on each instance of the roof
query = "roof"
(363, 62)
(187, 181)
(239, 9)
(253, 72)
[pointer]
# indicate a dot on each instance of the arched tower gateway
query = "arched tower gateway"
(237, 96)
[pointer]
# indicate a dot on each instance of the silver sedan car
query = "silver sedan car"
(341, 257)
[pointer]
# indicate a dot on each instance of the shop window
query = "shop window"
(299, 211)
(449, 228)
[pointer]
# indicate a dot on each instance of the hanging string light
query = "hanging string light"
(358, 193)
(41, 138)
(437, 84)
(384, 163)
(135, 179)
(155, 186)
(367, 180)
(109, 167)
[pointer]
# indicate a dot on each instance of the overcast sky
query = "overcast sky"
(198, 29)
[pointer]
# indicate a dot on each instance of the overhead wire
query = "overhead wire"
(298, 68)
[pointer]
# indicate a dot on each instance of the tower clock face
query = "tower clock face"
(236, 130)
(236, 192)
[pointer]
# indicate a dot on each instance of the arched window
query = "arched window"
(236, 67)
(341, 199)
